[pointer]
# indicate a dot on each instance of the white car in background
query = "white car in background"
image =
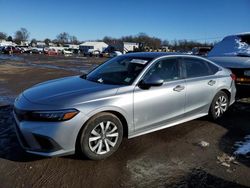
(67, 52)
(115, 53)
(233, 52)
(36, 50)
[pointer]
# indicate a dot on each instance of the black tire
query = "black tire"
(94, 126)
(213, 112)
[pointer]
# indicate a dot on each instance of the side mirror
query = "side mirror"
(151, 81)
(84, 75)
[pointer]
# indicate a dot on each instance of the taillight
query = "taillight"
(233, 76)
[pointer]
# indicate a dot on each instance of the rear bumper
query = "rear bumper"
(233, 93)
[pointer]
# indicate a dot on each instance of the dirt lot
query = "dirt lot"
(174, 157)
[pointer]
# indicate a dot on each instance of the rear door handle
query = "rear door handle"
(211, 82)
(179, 88)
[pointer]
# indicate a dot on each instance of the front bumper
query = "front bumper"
(46, 138)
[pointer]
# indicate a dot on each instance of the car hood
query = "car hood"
(232, 61)
(68, 91)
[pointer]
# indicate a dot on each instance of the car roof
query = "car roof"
(151, 55)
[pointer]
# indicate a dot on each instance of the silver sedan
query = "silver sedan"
(129, 95)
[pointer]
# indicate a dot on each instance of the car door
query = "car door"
(156, 106)
(201, 84)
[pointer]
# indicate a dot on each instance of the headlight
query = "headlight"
(60, 115)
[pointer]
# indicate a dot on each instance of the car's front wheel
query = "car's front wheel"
(219, 105)
(101, 136)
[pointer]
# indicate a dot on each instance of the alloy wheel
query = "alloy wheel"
(220, 106)
(103, 137)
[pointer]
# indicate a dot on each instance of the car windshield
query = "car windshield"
(121, 70)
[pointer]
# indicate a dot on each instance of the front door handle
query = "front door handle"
(211, 82)
(179, 88)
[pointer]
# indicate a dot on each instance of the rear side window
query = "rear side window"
(214, 69)
(198, 68)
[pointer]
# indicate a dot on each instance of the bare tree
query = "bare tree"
(21, 35)
(3, 36)
(47, 41)
(63, 38)
(110, 40)
(33, 42)
(73, 39)
(165, 43)
(9, 38)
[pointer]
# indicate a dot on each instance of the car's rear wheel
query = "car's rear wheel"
(219, 105)
(101, 136)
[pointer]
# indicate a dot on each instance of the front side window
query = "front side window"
(196, 67)
(166, 69)
(121, 70)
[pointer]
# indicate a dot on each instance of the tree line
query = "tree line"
(147, 41)
(157, 43)
(23, 35)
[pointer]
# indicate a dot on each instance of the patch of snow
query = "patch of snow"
(226, 160)
(203, 144)
(243, 148)
(230, 46)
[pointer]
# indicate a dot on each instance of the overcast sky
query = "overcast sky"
(92, 19)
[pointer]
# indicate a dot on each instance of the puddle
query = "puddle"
(79, 69)
(200, 178)
(9, 146)
(6, 98)
(10, 57)
(149, 172)
(243, 147)
(77, 66)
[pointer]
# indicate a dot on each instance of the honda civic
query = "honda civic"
(127, 96)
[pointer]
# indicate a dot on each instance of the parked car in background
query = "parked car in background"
(76, 51)
(26, 50)
(1, 49)
(129, 95)
(201, 51)
(92, 52)
(67, 52)
(11, 50)
(37, 50)
(233, 52)
(51, 51)
(115, 53)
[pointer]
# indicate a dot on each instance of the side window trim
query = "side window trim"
(183, 68)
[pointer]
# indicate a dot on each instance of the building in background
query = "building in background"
(71, 46)
(90, 47)
(7, 43)
(123, 47)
